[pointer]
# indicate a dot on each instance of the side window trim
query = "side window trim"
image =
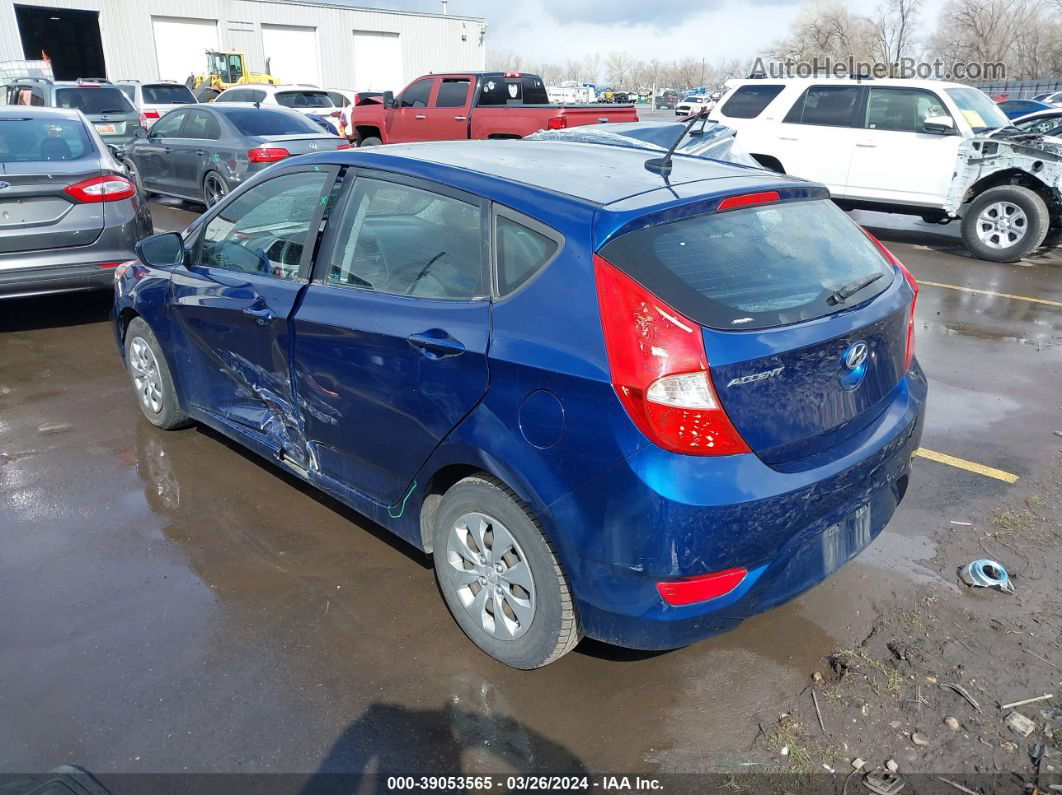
(501, 211)
(332, 232)
(194, 248)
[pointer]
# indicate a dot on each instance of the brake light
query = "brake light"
(749, 199)
(659, 369)
(344, 146)
(267, 154)
(336, 114)
(701, 589)
(512, 74)
(909, 352)
(558, 123)
(101, 189)
(105, 266)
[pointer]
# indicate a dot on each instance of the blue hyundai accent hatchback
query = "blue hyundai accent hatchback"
(609, 403)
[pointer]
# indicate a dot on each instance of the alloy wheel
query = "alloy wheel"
(491, 575)
(215, 189)
(146, 377)
(1002, 224)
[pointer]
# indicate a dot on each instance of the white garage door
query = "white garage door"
(377, 61)
(291, 53)
(181, 44)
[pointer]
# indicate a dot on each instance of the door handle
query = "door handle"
(784, 138)
(867, 146)
(460, 118)
(436, 343)
(199, 152)
(420, 116)
(165, 150)
(261, 315)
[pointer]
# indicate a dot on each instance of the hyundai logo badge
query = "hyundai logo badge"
(4, 185)
(854, 364)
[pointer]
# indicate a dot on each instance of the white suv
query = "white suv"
(154, 100)
(929, 148)
(308, 100)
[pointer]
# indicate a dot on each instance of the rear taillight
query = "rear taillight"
(267, 154)
(344, 146)
(909, 353)
(558, 123)
(101, 189)
(701, 589)
(148, 117)
(659, 369)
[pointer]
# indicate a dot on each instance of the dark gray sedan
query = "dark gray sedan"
(68, 213)
(202, 153)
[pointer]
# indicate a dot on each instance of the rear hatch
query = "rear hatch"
(41, 157)
(307, 101)
(800, 356)
(160, 98)
(110, 112)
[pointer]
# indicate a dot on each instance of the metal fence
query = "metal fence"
(1021, 89)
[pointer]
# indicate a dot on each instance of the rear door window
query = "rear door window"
(202, 125)
(829, 106)
(748, 101)
(453, 92)
(521, 251)
(754, 268)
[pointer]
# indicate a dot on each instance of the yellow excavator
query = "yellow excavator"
(224, 70)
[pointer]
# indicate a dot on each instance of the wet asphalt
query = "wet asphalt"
(169, 602)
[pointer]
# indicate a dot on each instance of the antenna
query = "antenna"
(662, 165)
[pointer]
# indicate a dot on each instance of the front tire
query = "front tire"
(1005, 223)
(151, 377)
(500, 577)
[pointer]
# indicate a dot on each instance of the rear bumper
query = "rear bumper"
(659, 516)
(64, 278)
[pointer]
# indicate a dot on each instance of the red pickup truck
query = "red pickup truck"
(448, 107)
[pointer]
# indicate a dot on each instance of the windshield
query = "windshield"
(25, 140)
(980, 112)
(261, 121)
(754, 268)
(168, 94)
(304, 99)
(93, 101)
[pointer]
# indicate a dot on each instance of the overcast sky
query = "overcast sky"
(556, 30)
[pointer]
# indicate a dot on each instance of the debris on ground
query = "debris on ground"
(1021, 724)
(987, 574)
(962, 691)
(1023, 702)
(951, 723)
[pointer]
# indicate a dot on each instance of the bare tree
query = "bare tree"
(894, 30)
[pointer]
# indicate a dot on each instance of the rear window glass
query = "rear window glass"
(168, 95)
(831, 106)
(260, 121)
(33, 140)
(304, 99)
(754, 268)
(748, 102)
(93, 101)
(526, 90)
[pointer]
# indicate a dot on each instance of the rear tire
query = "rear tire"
(370, 140)
(215, 188)
(134, 172)
(156, 395)
(500, 577)
(1005, 223)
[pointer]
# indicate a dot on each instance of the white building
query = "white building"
(328, 44)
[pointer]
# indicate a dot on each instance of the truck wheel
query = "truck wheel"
(500, 577)
(1005, 223)
(370, 140)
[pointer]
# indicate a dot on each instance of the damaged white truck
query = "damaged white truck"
(941, 151)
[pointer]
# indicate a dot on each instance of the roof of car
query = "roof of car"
(844, 81)
(591, 173)
(38, 111)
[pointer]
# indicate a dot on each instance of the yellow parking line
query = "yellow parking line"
(969, 466)
(989, 292)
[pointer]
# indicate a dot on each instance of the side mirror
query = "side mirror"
(161, 251)
(942, 125)
(140, 132)
(389, 99)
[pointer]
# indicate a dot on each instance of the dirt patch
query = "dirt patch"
(905, 693)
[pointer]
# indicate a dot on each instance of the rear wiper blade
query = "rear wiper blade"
(853, 287)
